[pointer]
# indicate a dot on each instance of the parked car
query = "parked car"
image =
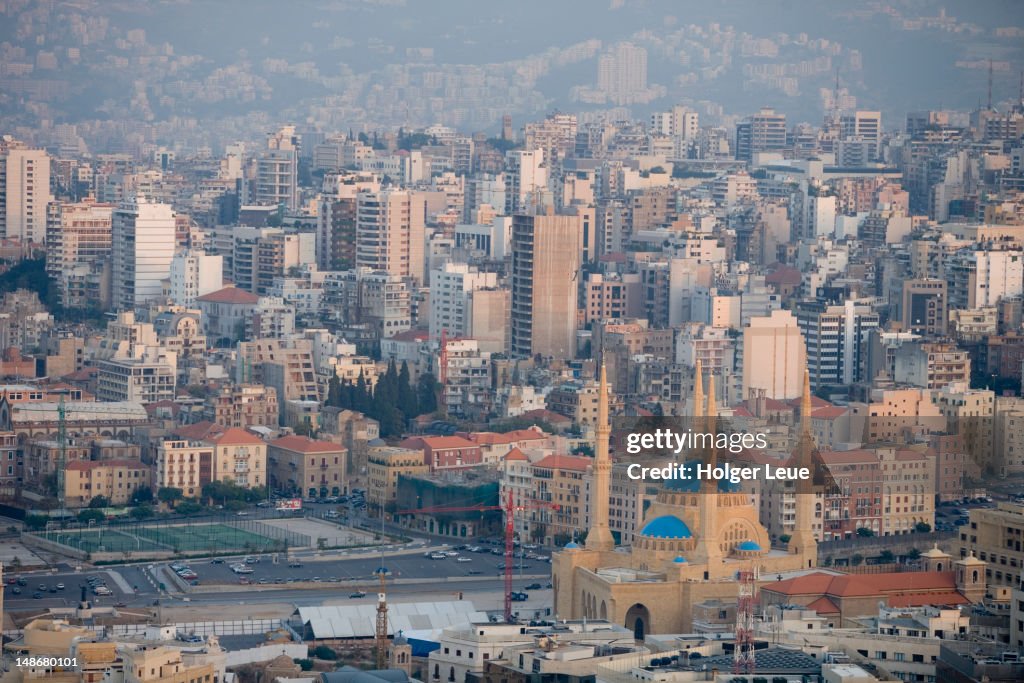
(533, 587)
(358, 594)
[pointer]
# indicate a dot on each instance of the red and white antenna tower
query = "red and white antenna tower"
(743, 661)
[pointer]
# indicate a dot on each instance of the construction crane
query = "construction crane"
(509, 508)
(743, 655)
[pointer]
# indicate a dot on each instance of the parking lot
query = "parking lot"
(60, 590)
(485, 561)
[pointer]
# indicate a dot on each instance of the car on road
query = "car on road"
(42, 586)
(37, 595)
(217, 560)
(519, 596)
(331, 514)
(438, 556)
(382, 570)
(464, 559)
(533, 587)
(22, 581)
(11, 580)
(474, 572)
(252, 560)
(294, 564)
(244, 581)
(242, 569)
(357, 595)
(16, 590)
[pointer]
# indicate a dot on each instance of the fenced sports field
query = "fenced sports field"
(185, 537)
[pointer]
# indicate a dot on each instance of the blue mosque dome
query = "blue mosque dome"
(666, 526)
(679, 559)
(571, 544)
(748, 545)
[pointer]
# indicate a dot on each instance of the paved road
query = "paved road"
(139, 584)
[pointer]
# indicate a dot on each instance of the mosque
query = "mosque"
(695, 538)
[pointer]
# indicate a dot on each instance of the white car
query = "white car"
(465, 559)
(438, 556)
(451, 553)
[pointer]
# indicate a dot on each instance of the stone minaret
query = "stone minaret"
(698, 395)
(803, 540)
(709, 549)
(600, 535)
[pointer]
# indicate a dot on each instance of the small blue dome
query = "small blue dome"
(679, 559)
(748, 545)
(571, 544)
(666, 526)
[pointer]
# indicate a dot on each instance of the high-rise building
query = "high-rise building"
(451, 290)
(143, 246)
(526, 180)
(862, 125)
(761, 132)
(336, 219)
(390, 232)
(76, 234)
(622, 72)
(24, 191)
(924, 307)
(193, 274)
(545, 264)
(774, 356)
(277, 169)
(837, 340)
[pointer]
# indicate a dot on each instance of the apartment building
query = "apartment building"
(996, 536)
(244, 405)
(184, 464)
(115, 480)
(384, 465)
(308, 466)
(239, 457)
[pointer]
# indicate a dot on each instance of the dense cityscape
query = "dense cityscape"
(368, 342)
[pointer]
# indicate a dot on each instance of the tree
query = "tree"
(324, 652)
(864, 532)
(188, 507)
(426, 391)
(334, 392)
(856, 560)
(886, 557)
(169, 495)
(91, 515)
(142, 512)
(304, 664)
(99, 502)
(36, 522)
(913, 554)
(922, 527)
(142, 495)
(407, 402)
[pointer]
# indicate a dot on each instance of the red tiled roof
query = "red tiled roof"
(236, 435)
(564, 462)
(828, 413)
(304, 444)
(516, 454)
(198, 431)
(867, 585)
(823, 606)
(230, 295)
